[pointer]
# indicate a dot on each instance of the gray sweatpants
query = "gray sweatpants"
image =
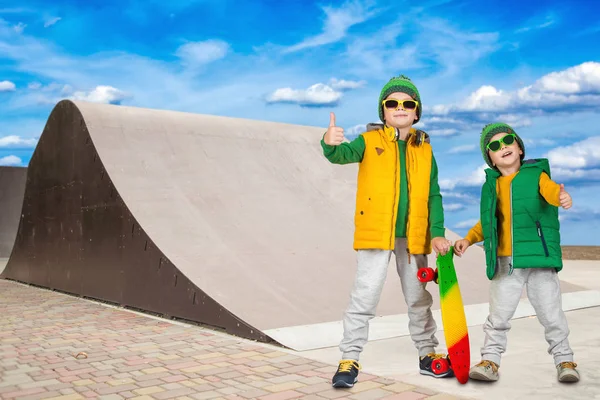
(543, 291)
(372, 267)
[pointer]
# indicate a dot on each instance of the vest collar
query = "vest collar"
(493, 173)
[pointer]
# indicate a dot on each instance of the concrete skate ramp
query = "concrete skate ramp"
(237, 224)
(12, 189)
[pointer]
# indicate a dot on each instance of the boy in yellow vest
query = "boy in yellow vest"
(398, 210)
(521, 233)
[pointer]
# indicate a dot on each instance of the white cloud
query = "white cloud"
(566, 175)
(17, 141)
(466, 224)
(316, 95)
(456, 195)
(20, 27)
(38, 94)
(579, 214)
(179, 88)
(581, 79)
(196, 54)
(345, 85)
(337, 22)
(476, 179)
(51, 21)
(355, 130)
(448, 132)
(576, 88)
(541, 142)
(539, 23)
(589, 30)
(102, 94)
(11, 161)
(376, 54)
(442, 120)
(515, 120)
(16, 10)
(444, 126)
(578, 163)
(467, 148)
(584, 154)
(454, 48)
(7, 86)
(415, 41)
(454, 207)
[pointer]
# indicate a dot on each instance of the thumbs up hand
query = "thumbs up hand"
(565, 198)
(334, 135)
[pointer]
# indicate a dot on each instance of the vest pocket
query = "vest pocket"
(541, 235)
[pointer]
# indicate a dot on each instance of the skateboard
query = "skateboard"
(453, 316)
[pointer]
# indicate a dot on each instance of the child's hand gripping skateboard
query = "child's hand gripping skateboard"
(453, 316)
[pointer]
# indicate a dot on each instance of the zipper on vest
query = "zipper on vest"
(512, 232)
(493, 234)
(492, 226)
(541, 235)
(396, 188)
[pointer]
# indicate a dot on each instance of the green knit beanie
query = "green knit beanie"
(400, 84)
(488, 133)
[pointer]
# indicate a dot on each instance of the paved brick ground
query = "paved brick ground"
(55, 346)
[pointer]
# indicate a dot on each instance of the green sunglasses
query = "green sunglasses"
(497, 144)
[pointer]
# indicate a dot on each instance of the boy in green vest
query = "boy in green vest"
(521, 233)
(398, 210)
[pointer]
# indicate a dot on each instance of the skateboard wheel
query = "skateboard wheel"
(425, 274)
(439, 366)
(435, 276)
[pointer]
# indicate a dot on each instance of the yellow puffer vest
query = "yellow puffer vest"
(378, 192)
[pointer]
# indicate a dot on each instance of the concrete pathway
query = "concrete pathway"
(55, 346)
(527, 370)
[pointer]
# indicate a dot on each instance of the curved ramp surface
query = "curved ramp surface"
(223, 221)
(12, 190)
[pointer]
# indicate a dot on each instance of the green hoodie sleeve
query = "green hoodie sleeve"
(345, 153)
(436, 209)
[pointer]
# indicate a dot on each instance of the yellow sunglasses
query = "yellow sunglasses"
(394, 104)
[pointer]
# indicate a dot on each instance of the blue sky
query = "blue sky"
(534, 65)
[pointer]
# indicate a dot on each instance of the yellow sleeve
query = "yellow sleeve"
(475, 235)
(549, 190)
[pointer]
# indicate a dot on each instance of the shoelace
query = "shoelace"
(488, 364)
(436, 356)
(346, 365)
(568, 364)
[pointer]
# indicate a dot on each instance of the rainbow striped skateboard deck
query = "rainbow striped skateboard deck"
(453, 315)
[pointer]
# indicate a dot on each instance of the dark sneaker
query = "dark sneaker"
(485, 371)
(436, 365)
(566, 372)
(346, 375)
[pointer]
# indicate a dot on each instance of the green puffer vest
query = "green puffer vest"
(535, 225)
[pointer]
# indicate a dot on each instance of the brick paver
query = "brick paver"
(56, 346)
